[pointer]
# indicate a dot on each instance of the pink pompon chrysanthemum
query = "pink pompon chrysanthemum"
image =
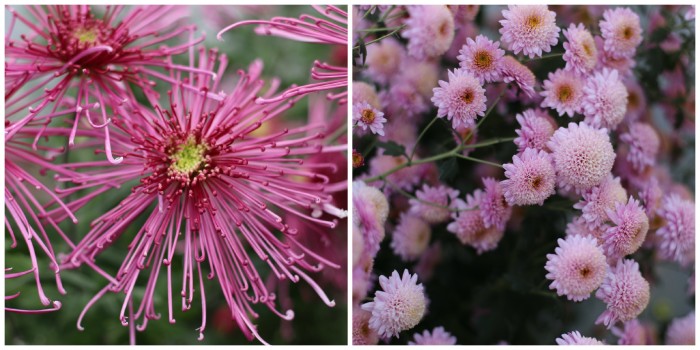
(366, 116)
(563, 91)
(579, 226)
(514, 71)
(536, 128)
(575, 338)
(411, 237)
(633, 333)
(677, 235)
(622, 32)
(481, 58)
(399, 306)
(493, 206)
(210, 186)
(437, 337)
(681, 331)
(530, 178)
(643, 143)
(433, 203)
(580, 52)
(331, 28)
(384, 60)
(370, 211)
(577, 268)
(622, 64)
(529, 28)
(581, 167)
(628, 230)
(429, 30)
(468, 225)
(625, 292)
(604, 102)
(597, 200)
(461, 99)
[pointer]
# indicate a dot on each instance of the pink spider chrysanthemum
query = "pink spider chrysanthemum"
(433, 203)
(429, 30)
(563, 91)
(677, 235)
(581, 167)
(438, 336)
(411, 237)
(366, 116)
(622, 32)
(604, 102)
(514, 71)
(384, 60)
(481, 58)
(597, 200)
(399, 306)
(70, 48)
(536, 128)
(644, 145)
(461, 99)
(575, 338)
(577, 268)
(625, 292)
(628, 230)
(580, 52)
(530, 178)
(493, 206)
(681, 331)
(215, 191)
(331, 28)
(370, 211)
(468, 225)
(529, 28)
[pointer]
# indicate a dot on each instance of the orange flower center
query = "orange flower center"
(565, 93)
(468, 96)
(533, 21)
(367, 116)
(483, 59)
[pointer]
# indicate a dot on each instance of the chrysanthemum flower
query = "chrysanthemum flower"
(579, 226)
(597, 200)
(370, 211)
(207, 182)
(644, 145)
(634, 333)
(623, 64)
(581, 167)
(531, 178)
(625, 292)
(577, 268)
(403, 100)
(580, 52)
(529, 28)
(677, 235)
(681, 331)
(366, 116)
(563, 91)
(411, 237)
(363, 92)
(628, 231)
(362, 334)
(622, 32)
(493, 206)
(437, 337)
(514, 71)
(605, 100)
(481, 58)
(422, 75)
(575, 338)
(464, 13)
(399, 306)
(651, 195)
(358, 244)
(405, 179)
(441, 196)
(469, 227)
(636, 100)
(429, 30)
(536, 128)
(383, 60)
(461, 99)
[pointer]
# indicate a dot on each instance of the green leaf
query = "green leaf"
(392, 148)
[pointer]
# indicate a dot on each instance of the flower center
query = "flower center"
(357, 159)
(585, 272)
(189, 157)
(587, 48)
(483, 59)
(565, 93)
(443, 28)
(86, 35)
(367, 116)
(468, 96)
(536, 182)
(632, 101)
(627, 32)
(532, 22)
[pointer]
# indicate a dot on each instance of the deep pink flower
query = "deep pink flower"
(461, 99)
(625, 292)
(531, 178)
(580, 52)
(563, 91)
(529, 28)
(536, 128)
(481, 58)
(577, 268)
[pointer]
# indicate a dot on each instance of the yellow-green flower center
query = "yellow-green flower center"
(189, 157)
(86, 35)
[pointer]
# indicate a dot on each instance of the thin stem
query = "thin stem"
(370, 147)
(488, 112)
(415, 146)
(381, 37)
(374, 30)
(368, 12)
(478, 160)
(551, 55)
(386, 13)
(447, 154)
(489, 142)
(408, 195)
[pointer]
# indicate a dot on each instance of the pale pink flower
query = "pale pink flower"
(493, 206)
(597, 200)
(370, 211)
(563, 91)
(605, 100)
(363, 92)
(579, 226)
(441, 196)
(681, 331)
(411, 237)
(628, 230)
(580, 52)
(469, 227)
(530, 178)
(625, 292)
(529, 28)
(622, 32)
(481, 58)
(577, 268)
(536, 128)
(461, 99)
(429, 30)
(362, 334)
(677, 235)
(514, 71)
(634, 333)
(575, 338)
(438, 336)
(399, 306)
(643, 143)
(384, 60)
(366, 116)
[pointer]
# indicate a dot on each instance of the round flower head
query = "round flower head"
(411, 237)
(581, 167)
(630, 226)
(363, 92)
(429, 30)
(625, 292)
(579, 226)
(461, 99)
(622, 32)
(604, 102)
(599, 199)
(514, 71)
(441, 196)
(362, 334)
(622, 64)
(634, 333)
(575, 338)
(383, 60)
(370, 210)
(404, 179)
(636, 100)
(399, 306)
(531, 178)
(644, 145)
(422, 75)
(580, 52)
(677, 235)
(493, 205)
(536, 128)
(366, 116)
(481, 58)
(577, 268)
(682, 331)
(529, 28)
(403, 99)
(437, 337)
(563, 91)
(651, 195)
(469, 226)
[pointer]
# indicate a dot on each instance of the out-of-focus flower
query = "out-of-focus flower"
(634, 333)
(370, 210)
(563, 91)
(625, 292)
(622, 32)
(362, 333)
(577, 268)
(429, 30)
(531, 178)
(681, 331)
(442, 198)
(579, 226)
(605, 100)
(575, 338)
(529, 28)
(580, 52)
(461, 99)
(644, 145)
(469, 227)
(384, 60)
(438, 336)
(411, 237)
(677, 235)
(536, 128)
(481, 58)
(363, 92)
(628, 231)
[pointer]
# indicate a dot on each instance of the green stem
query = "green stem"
(478, 160)
(408, 195)
(381, 37)
(374, 30)
(551, 55)
(488, 112)
(413, 162)
(371, 9)
(415, 146)
(488, 142)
